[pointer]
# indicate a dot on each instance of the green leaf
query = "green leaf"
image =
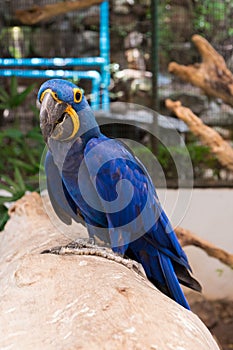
(4, 106)
(13, 86)
(3, 216)
(7, 188)
(20, 97)
(20, 161)
(21, 164)
(17, 196)
(13, 134)
(8, 181)
(4, 200)
(13, 198)
(19, 180)
(36, 111)
(28, 153)
(14, 98)
(36, 135)
(4, 96)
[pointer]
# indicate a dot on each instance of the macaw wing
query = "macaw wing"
(62, 203)
(122, 187)
(165, 235)
(136, 222)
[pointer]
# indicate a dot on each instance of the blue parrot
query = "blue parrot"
(97, 180)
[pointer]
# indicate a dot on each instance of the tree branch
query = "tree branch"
(37, 14)
(212, 75)
(187, 238)
(220, 148)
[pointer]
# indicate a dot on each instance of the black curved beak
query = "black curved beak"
(51, 111)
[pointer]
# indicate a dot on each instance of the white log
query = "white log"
(81, 302)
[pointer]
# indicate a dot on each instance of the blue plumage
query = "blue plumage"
(99, 181)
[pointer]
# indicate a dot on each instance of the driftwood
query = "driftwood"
(37, 14)
(188, 238)
(212, 75)
(81, 302)
(218, 146)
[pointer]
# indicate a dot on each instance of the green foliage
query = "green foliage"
(19, 164)
(209, 15)
(3, 216)
(13, 98)
(166, 34)
(209, 18)
(200, 156)
(202, 159)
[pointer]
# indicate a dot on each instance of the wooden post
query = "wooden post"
(37, 13)
(219, 147)
(211, 75)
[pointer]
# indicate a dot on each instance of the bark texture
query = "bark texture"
(219, 147)
(81, 302)
(211, 75)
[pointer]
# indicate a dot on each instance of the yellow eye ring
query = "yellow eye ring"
(77, 95)
(54, 94)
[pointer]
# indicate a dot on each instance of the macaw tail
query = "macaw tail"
(172, 282)
(163, 271)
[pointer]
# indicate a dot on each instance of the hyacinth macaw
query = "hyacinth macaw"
(98, 180)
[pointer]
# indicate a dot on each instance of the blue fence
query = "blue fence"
(57, 67)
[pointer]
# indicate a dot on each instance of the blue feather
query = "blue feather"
(171, 280)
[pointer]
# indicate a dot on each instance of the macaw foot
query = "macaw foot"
(80, 243)
(87, 247)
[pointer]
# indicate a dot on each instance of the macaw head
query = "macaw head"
(65, 112)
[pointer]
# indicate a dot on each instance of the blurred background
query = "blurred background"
(143, 37)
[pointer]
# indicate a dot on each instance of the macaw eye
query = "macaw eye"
(77, 95)
(54, 94)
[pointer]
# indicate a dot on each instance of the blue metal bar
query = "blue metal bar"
(104, 52)
(49, 62)
(99, 80)
(51, 73)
